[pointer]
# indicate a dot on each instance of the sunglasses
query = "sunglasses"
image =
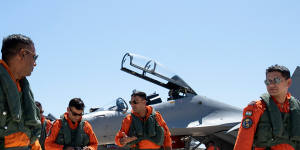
(276, 80)
(133, 102)
(34, 55)
(75, 114)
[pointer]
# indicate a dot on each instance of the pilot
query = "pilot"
(20, 125)
(46, 125)
(71, 132)
(273, 122)
(144, 128)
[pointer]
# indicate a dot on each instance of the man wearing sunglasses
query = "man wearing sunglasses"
(46, 125)
(144, 128)
(20, 125)
(272, 123)
(71, 132)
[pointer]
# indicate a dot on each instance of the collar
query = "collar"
(71, 124)
(42, 119)
(149, 112)
(3, 63)
(285, 107)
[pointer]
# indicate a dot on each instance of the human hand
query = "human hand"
(126, 139)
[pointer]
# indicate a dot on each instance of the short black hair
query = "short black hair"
(38, 104)
(140, 94)
(12, 44)
(77, 103)
(285, 72)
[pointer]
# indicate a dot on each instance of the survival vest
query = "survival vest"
(18, 112)
(43, 135)
(69, 137)
(146, 130)
(275, 127)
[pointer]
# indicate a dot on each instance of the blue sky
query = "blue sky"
(220, 48)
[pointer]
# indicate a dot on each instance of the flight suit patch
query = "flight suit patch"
(247, 123)
(248, 113)
(252, 103)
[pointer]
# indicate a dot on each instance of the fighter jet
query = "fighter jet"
(187, 114)
(190, 117)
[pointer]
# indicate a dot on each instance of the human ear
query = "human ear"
(289, 82)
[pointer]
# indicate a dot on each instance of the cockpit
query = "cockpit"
(156, 73)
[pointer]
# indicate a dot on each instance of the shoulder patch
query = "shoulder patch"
(247, 123)
(252, 103)
(248, 113)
